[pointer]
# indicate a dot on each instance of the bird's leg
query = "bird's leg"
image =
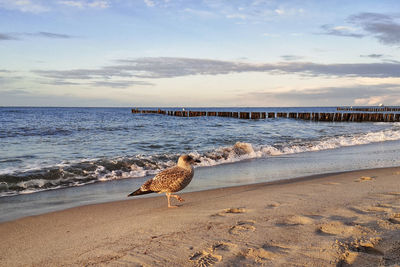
(169, 201)
(178, 198)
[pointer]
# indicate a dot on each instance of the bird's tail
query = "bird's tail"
(140, 192)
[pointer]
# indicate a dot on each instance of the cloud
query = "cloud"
(291, 57)
(51, 35)
(7, 37)
(358, 95)
(239, 11)
(392, 61)
(236, 16)
(8, 80)
(373, 55)
(58, 82)
(149, 3)
(99, 4)
(77, 4)
(340, 31)
(381, 26)
(170, 67)
(28, 6)
(19, 36)
(288, 11)
(20, 97)
(199, 12)
(15, 92)
(119, 84)
(81, 4)
(279, 11)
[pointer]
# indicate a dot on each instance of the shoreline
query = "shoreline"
(74, 193)
(327, 219)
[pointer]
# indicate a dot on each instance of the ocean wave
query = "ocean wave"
(242, 151)
(99, 170)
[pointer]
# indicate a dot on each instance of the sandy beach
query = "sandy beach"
(340, 219)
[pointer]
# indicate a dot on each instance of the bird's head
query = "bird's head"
(186, 160)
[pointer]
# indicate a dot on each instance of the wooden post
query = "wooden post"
(263, 115)
(281, 115)
(244, 115)
(255, 115)
(315, 116)
(271, 115)
(224, 114)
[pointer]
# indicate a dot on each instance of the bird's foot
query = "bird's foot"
(180, 199)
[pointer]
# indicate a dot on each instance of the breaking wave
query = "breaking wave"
(97, 170)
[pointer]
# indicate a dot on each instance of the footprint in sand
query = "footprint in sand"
(387, 195)
(335, 228)
(378, 208)
(357, 210)
(385, 205)
(364, 179)
(295, 220)
(273, 205)
(352, 250)
(394, 218)
(242, 227)
(371, 209)
(265, 253)
(230, 211)
(223, 246)
(366, 246)
(235, 210)
(204, 258)
(331, 183)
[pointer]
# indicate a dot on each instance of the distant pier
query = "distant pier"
(381, 114)
(370, 109)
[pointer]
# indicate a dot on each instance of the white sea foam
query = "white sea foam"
(142, 165)
(241, 151)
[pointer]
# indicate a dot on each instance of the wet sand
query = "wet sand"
(327, 220)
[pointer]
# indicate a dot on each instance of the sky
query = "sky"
(203, 53)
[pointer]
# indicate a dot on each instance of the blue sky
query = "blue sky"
(199, 53)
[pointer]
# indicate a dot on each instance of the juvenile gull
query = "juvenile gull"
(170, 180)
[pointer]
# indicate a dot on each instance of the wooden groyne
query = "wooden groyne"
(311, 116)
(370, 109)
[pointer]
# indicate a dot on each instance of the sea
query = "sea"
(54, 158)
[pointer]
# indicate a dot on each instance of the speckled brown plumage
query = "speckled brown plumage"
(170, 180)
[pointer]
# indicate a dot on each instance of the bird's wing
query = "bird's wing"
(165, 178)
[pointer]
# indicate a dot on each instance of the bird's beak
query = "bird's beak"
(197, 161)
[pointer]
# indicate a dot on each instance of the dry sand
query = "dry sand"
(329, 220)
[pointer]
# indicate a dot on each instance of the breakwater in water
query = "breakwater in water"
(51, 148)
(370, 109)
(371, 114)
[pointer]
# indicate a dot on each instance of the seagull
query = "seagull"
(170, 180)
